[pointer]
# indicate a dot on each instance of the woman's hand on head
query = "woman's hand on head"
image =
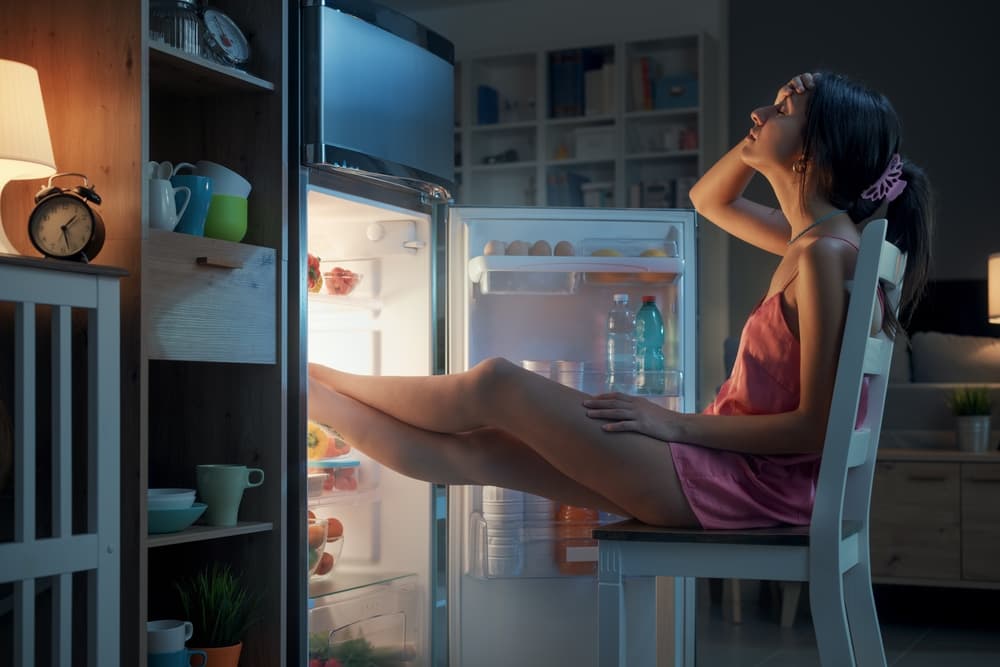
(622, 413)
(797, 85)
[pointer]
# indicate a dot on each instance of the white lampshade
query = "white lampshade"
(993, 269)
(25, 147)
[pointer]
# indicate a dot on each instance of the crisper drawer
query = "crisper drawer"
(367, 621)
(981, 521)
(209, 300)
(915, 521)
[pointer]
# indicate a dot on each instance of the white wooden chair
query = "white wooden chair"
(831, 554)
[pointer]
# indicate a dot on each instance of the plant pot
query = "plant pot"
(973, 433)
(220, 656)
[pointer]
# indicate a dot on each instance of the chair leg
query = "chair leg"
(833, 636)
(863, 617)
(610, 608)
(732, 600)
(790, 591)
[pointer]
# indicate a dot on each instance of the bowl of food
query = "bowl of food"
(340, 281)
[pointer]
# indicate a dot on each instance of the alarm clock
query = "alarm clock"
(64, 224)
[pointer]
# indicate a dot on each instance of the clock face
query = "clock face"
(61, 226)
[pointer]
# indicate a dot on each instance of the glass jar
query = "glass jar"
(176, 23)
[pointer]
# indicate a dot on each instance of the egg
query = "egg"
(495, 248)
(565, 249)
(540, 248)
(517, 248)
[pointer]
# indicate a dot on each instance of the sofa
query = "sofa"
(926, 368)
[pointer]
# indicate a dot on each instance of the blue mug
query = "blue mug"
(193, 220)
(180, 658)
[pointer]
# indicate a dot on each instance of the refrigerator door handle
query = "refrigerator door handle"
(414, 245)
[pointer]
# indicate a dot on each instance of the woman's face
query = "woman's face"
(774, 142)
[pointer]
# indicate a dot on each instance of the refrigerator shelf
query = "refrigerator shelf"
(359, 497)
(347, 302)
(530, 549)
(639, 267)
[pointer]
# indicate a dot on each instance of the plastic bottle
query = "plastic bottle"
(573, 532)
(650, 365)
(671, 344)
(621, 346)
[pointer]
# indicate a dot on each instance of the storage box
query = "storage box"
(672, 92)
(594, 143)
(597, 195)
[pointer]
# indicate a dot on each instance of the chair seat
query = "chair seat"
(787, 536)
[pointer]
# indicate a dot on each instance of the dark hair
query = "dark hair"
(850, 135)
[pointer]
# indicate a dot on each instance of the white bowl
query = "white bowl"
(169, 499)
(225, 181)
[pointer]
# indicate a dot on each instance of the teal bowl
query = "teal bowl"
(174, 520)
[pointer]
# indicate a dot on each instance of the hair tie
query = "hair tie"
(889, 184)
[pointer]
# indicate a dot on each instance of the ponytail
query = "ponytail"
(911, 224)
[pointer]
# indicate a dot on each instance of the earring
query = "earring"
(799, 166)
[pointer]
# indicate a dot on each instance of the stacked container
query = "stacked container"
(503, 511)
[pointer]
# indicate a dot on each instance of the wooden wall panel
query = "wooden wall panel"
(88, 59)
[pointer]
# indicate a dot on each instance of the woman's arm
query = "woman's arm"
(718, 194)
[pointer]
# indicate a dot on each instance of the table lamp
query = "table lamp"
(25, 147)
(993, 272)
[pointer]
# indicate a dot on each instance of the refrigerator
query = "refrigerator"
(414, 285)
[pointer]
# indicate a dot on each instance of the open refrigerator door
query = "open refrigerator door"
(534, 286)
(369, 312)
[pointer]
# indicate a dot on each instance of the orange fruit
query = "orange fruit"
(334, 529)
(316, 536)
(325, 564)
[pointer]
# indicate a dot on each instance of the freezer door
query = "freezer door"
(534, 285)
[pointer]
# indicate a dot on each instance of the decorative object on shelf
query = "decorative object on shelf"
(176, 23)
(64, 224)
(25, 147)
(222, 608)
(993, 271)
(972, 408)
(223, 40)
(509, 155)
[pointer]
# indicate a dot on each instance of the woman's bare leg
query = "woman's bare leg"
(485, 456)
(631, 470)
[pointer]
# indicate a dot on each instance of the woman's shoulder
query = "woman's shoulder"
(829, 257)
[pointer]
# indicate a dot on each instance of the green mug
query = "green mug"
(220, 486)
(226, 218)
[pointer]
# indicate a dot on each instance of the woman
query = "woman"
(829, 149)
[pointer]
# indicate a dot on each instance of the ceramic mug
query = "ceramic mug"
(225, 181)
(226, 218)
(167, 636)
(221, 486)
(180, 658)
(163, 211)
(193, 219)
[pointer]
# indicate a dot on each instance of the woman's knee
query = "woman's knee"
(490, 377)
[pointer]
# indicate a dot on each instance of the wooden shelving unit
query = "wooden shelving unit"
(638, 166)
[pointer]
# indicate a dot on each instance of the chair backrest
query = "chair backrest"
(843, 492)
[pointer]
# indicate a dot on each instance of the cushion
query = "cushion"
(940, 357)
(900, 369)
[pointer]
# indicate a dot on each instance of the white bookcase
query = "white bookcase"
(624, 124)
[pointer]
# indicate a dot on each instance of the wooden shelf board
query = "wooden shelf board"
(499, 127)
(657, 113)
(175, 70)
(503, 166)
(595, 119)
(576, 161)
(663, 155)
(198, 533)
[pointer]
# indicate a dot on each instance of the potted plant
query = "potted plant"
(972, 407)
(221, 608)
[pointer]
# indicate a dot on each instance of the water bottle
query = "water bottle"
(621, 346)
(650, 364)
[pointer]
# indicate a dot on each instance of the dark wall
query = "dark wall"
(936, 62)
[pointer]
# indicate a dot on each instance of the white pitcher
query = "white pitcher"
(163, 212)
